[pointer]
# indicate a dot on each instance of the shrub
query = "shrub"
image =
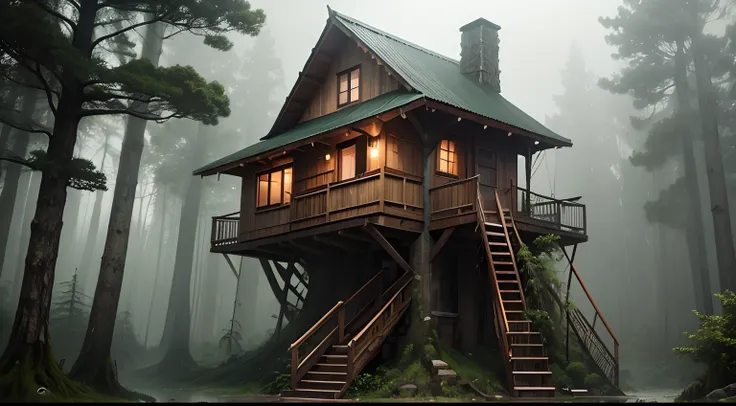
(593, 381)
(559, 377)
(576, 372)
(366, 383)
(430, 351)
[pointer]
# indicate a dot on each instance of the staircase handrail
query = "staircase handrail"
(502, 321)
(603, 320)
(405, 280)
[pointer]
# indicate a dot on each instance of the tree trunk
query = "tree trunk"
(93, 366)
(6, 129)
(695, 232)
(12, 176)
(86, 271)
(177, 354)
(68, 257)
(158, 264)
(34, 184)
(720, 210)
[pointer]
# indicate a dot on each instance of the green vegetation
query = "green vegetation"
(714, 345)
(474, 368)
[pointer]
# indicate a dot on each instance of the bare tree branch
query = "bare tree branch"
(141, 115)
(62, 17)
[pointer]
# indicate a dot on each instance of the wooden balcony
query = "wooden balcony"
(383, 191)
(389, 192)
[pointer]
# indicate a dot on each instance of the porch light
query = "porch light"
(327, 157)
(374, 152)
(536, 142)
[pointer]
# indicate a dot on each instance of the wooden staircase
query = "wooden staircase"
(346, 338)
(524, 356)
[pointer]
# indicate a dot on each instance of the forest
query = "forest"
(108, 289)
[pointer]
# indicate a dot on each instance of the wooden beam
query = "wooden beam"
(383, 242)
(392, 114)
(286, 275)
(298, 274)
(271, 277)
(339, 244)
(232, 267)
(441, 243)
(353, 236)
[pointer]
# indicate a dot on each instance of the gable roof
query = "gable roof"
(439, 78)
(424, 74)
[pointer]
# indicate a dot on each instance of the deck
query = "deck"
(392, 199)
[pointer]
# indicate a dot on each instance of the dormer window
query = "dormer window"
(447, 162)
(348, 86)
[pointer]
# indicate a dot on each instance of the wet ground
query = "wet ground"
(166, 396)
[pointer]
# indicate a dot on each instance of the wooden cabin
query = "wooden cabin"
(379, 143)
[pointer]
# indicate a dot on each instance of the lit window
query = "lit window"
(348, 87)
(447, 158)
(274, 188)
(347, 162)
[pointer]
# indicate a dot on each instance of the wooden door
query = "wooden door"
(488, 179)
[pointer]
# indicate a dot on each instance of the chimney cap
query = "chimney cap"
(481, 21)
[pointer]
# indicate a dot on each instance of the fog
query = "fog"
(552, 56)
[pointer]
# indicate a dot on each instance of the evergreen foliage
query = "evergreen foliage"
(714, 345)
(69, 316)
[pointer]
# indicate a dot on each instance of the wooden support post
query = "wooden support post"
(567, 301)
(341, 325)
(528, 170)
(389, 249)
(441, 243)
(232, 267)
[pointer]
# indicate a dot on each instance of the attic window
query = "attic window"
(348, 86)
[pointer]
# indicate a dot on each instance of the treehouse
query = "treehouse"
(391, 167)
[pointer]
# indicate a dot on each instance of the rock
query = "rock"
(717, 394)
(407, 391)
(439, 364)
(447, 375)
(730, 390)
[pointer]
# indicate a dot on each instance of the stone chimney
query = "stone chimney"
(479, 52)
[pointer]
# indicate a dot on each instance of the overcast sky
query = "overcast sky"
(536, 36)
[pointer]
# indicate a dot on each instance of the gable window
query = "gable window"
(348, 86)
(274, 187)
(447, 162)
(347, 162)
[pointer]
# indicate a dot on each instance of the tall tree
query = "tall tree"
(68, 50)
(700, 12)
(643, 36)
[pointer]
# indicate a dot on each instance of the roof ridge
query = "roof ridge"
(394, 37)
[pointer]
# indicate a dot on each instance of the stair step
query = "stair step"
(529, 358)
(500, 253)
(327, 373)
(523, 332)
(489, 224)
(502, 263)
(494, 234)
(531, 372)
(318, 390)
(509, 291)
(498, 244)
(526, 345)
(505, 273)
(535, 388)
(322, 382)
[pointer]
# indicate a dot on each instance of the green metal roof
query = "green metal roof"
(439, 78)
(329, 122)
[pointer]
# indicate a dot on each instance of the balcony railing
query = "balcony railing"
(225, 229)
(381, 190)
(564, 214)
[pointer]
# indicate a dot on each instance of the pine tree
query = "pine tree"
(69, 317)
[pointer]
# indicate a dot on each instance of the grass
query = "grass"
(471, 368)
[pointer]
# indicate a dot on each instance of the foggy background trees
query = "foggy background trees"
(647, 182)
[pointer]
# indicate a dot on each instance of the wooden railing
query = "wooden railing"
(454, 198)
(333, 327)
(225, 229)
(502, 323)
(608, 361)
(565, 214)
(366, 342)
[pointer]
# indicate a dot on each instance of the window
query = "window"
(347, 162)
(348, 86)
(274, 188)
(447, 158)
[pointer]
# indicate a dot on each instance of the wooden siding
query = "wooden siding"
(374, 81)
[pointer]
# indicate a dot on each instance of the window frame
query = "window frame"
(340, 148)
(269, 172)
(455, 161)
(360, 86)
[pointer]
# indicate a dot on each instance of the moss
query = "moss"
(473, 370)
(430, 351)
